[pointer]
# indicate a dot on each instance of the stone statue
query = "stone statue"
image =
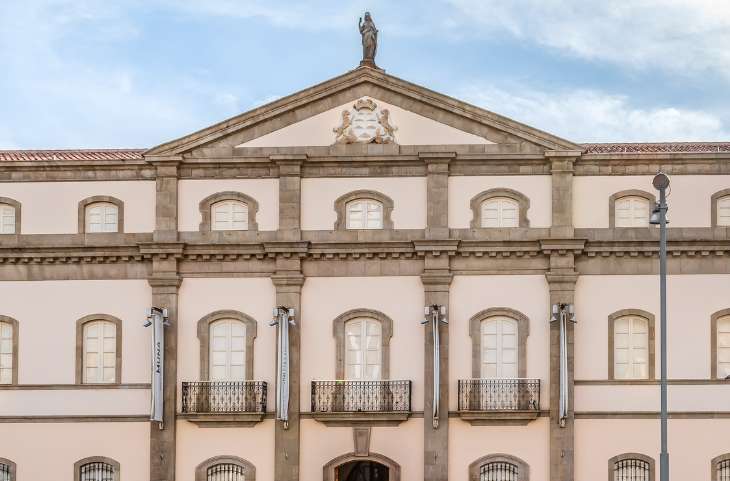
(369, 40)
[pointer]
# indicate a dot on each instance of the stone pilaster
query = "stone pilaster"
(290, 195)
(437, 193)
(288, 281)
(561, 169)
(165, 282)
(436, 280)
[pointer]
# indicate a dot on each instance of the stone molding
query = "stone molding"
(204, 339)
(393, 467)
(622, 457)
(476, 205)
(523, 469)
(201, 471)
(84, 203)
(713, 205)
(80, 346)
(96, 459)
(18, 211)
(716, 316)
(338, 330)
(650, 342)
(627, 193)
(206, 205)
(342, 201)
(15, 346)
(523, 330)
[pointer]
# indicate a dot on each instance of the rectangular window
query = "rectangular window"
(723, 211)
(6, 353)
(7, 219)
(100, 352)
(631, 348)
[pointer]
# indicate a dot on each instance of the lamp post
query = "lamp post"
(659, 216)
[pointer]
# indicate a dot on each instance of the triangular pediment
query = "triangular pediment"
(311, 118)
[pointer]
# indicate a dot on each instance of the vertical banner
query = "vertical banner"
(282, 318)
(436, 312)
(157, 318)
(563, 404)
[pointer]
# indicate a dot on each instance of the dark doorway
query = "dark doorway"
(362, 471)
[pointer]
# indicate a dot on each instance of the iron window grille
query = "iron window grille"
(5, 473)
(224, 397)
(723, 470)
(97, 471)
(226, 472)
(361, 396)
(631, 470)
(498, 471)
(499, 394)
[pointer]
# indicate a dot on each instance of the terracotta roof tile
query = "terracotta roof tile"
(658, 147)
(76, 154)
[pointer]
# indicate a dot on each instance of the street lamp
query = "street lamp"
(659, 216)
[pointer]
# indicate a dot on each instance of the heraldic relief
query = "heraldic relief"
(363, 124)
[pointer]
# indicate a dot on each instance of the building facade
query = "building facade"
(388, 220)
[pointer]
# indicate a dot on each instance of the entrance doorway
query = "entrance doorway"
(362, 470)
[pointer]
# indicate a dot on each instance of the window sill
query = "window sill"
(499, 418)
(340, 419)
(216, 420)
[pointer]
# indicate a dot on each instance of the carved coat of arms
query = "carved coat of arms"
(363, 124)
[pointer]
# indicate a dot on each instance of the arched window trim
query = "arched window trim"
(523, 203)
(343, 200)
(12, 466)
(204, 338)
(96, 459)
(84, 203)
(523, 330)
(15, 204)
(623, 457)
(201, 472)
(714, 201)
(338, 329)
(651, 326)
(713, 465)
(14, 324)
(206, 223)
(523, 469)
(329, 468)
(713, 336)
(80, 345)
(627, 193)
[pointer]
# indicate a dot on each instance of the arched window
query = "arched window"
(225, 468)
(721, 468)
(721, 344)
(101, 213)
(363, 209)
(631, 467)
(499, 347)
(8, 351)
(364, 354)
(98, 349)
(722, 207)
(630, 208)
(227, 350)
(500, 212)
(499, 467)
(229, 215)
(7, 219)
(96, 468)
(631, 356)
(7, 470)
(364, 214)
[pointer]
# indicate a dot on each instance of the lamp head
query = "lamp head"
(660, 181)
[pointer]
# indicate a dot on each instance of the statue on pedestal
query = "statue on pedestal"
(369, 40)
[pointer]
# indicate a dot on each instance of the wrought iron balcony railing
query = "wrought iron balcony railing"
(499, 395)
(224, 397)
(361, 396)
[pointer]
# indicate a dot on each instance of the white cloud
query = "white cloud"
(593, 116)
(686, 36)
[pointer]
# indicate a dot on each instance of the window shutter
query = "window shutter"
(723, 347)
(6, 354)
(500, 212)
(100, 352)
(102, 217)
(7, 219)
(723, 211)
(227, 350)
(499, 348)
(229, 215)
(631, 348)
(363, 345)
(364, 214)
(631, 211)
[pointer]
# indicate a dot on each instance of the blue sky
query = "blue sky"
(136, 73)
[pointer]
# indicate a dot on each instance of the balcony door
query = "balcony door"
(364, 353)
(227, 350)
(499, 348)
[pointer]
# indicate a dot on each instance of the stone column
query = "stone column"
(437, 193)
(165, 282)
(288, 282)
(561, 170)
(290, 193)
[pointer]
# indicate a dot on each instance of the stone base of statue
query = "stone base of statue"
(369, 63)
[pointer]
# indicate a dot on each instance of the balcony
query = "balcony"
(224, 403)
(499, 401)
(369, 403)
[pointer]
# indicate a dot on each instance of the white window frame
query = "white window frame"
(723, 211)
(496, 345)
(108, 221)
(632, 211)
(229, 214)
(102, 352)
(723, 346)
(364, 214)
(500, 212)
(7, 218)
(233, 350)
(638, 327)
(7, 354)
(359, 361)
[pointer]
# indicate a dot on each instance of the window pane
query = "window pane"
(363, 355)
(100, 348)
(229, 215)
(631, 211)
(7, 219)
(500, 212)
(101, 217)
(364, 214)
(631, 348)
(499, 347)
(723, 211)
(227, 350)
